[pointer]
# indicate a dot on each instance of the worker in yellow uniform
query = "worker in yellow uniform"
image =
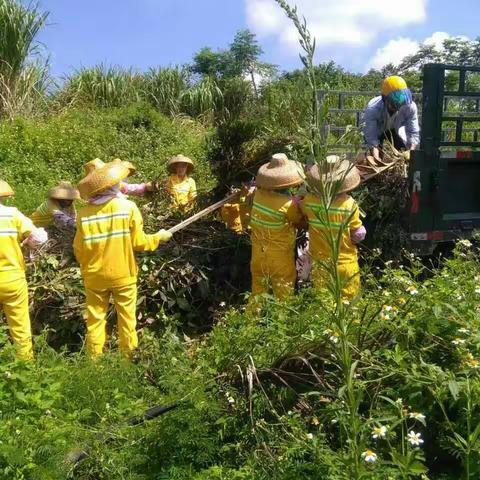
(16, 230)
(273, 221)
(180, 186)
(59, 208)
(236, 215)
(326, 222)
(109, 231)
(134, 189)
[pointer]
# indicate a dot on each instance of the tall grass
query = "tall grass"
(203, 99)
(23, 74)
(165, 87)
(103, 86)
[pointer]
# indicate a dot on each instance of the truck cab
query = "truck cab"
(444, 173)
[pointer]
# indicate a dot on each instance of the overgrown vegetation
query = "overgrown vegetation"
(384, 387)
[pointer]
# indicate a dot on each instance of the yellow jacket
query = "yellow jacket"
(273, 220)
(343, 212)
(106, 238)
(43, 215)
(182, 192)
(14, 228)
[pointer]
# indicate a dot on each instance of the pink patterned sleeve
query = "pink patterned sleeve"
(135, 189)
(358, 234)
(63, 220)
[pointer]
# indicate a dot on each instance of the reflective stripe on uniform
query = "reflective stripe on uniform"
(104, 236)
(8, 232)
(96, 218)
(268, 211)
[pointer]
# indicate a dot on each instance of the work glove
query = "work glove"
(37, 238)
(164, 235)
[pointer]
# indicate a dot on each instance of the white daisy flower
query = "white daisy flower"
(417, 416)
(379, 432)
(415, 439)
(369, 456)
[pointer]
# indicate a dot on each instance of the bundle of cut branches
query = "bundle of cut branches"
(391, 158)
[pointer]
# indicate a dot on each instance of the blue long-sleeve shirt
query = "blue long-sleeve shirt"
(375, 120)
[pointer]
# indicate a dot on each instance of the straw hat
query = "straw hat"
(63, 191)
(102, 178)
(179, 159)
(335, 170)
(92, 165)
(5, 189)
(280, 172)
(131, 167)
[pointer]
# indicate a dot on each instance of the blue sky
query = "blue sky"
(144, 33)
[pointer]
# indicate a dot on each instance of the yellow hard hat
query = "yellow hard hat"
(393, 83)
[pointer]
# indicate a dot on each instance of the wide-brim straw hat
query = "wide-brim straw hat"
(279, 172)
(180, 159)
(102, 178)
(131, 167)
(335, 171)
(5, 189)
(93, 165)
(63, 191)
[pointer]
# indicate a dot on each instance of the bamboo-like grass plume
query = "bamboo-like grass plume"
(24, 77)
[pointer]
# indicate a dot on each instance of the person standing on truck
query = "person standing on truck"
(392, 116)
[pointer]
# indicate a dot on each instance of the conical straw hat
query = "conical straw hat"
(63, 191)
(335, 170)
(179, 159)
(102, 178)
(5, 189)
(92, 165)
(280, 172)
(131, 167)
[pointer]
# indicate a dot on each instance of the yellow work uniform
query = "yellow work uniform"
(182, 192)
(237, 215)
(273, 223)
(343, 213)
(14, 228)
(107, 236)
(43, 215)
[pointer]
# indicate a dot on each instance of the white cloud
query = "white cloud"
(398, 48)
(436, 39)
(393, 52)
(333, 22)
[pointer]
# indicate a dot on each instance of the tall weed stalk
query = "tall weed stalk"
(316, 134)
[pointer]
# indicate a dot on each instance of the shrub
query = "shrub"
(34, 154)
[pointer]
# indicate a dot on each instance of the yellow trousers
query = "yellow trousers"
(275, 269)
(125, 301)
(14, 301)
(349, 274)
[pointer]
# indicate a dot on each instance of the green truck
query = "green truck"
(444, 171)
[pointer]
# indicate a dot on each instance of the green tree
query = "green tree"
(244, 56)
(208, 63)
